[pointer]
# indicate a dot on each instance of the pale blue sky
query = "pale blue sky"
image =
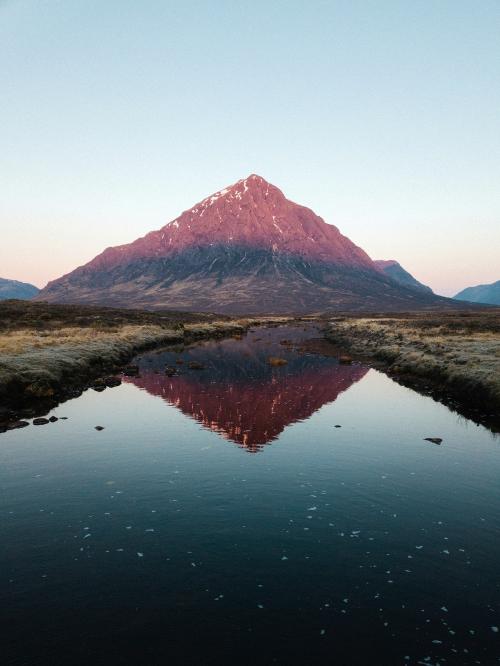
(383, 117)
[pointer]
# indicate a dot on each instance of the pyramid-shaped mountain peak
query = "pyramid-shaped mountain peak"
(246, 248)
(245, 188)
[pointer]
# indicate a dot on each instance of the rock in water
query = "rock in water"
(434, 440)
(196, 365)
(276, 361)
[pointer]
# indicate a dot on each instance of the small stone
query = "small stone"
(98, 385)
(99, 428)
(276, 361)
(345, 359)
(196, 365)
(53, 419)
(434, 440)
(40, 421)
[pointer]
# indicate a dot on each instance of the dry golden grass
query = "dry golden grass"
(23, 341)
(452, 352)
(236, 326)
(45, 361)
(30, 339)
(39, 360)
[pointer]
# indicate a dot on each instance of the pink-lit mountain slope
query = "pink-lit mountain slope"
(245, 249)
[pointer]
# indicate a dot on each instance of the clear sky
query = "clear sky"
(382, 116)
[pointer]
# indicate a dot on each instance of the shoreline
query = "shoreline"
(50, 354)
(453, 359)
(44, 367)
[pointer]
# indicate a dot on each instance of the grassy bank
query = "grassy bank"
(49, 353)
(454, 357)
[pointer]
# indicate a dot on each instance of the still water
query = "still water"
(222, 517)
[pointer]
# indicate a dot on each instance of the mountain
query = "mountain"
(15, 289)
(483, 293)
(394, 270)
(245, 249)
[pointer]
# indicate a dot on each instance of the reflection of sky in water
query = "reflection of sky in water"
(331, 543)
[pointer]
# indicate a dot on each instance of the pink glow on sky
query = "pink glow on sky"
(118, 116)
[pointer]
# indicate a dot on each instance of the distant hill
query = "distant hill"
(483, 293)
(245, 249)
(15, 289)
(395, 271)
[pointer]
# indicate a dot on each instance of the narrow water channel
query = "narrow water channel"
(232, 509)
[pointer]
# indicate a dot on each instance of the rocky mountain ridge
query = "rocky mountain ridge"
(244, 249)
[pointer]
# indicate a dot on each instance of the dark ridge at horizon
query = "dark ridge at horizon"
(16, 289)
(487, 294)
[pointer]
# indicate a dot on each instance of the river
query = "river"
(243, 512)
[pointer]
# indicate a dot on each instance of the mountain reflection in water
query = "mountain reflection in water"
(238, 394)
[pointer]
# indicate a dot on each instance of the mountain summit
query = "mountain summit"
(251, 213)
(244, 249)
